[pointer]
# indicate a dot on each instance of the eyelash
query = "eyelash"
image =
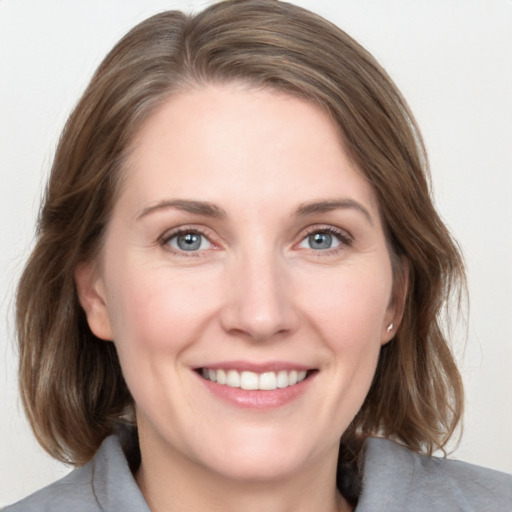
(344, 238)
(168, 236)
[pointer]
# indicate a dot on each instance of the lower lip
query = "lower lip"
(258, 399)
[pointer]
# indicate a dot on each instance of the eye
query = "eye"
(188, 241)
(324, 239)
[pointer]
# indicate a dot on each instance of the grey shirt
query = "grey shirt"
(395, 480)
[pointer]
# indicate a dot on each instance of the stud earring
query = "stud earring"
(390, 327)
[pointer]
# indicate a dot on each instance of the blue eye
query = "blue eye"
(189, 241)
(321, 241)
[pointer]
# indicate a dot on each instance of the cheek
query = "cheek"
(351, 304)
(155, 320)
(154, 312)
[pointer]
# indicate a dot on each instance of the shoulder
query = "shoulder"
(403, 480)
(73, 492)
(105, 483)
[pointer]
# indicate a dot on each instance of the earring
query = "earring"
(390, 327)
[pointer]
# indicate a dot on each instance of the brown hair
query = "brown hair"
(72, 385)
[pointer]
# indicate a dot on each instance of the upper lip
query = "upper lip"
(271, 366)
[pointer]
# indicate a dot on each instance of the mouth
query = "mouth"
(253, 381)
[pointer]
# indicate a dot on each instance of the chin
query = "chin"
(264, 456)
(259, 467)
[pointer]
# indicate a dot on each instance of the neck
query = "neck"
(173, 483)
(161, 495)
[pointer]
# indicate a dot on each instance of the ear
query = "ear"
(91, 294)
(396, 305)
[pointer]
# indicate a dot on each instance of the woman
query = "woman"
(238, 265)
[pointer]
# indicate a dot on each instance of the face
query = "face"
(246, 283)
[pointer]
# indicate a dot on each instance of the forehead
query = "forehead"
(264, 145)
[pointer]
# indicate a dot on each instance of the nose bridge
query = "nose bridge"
(261, 303)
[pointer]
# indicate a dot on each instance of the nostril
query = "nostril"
(259, 305)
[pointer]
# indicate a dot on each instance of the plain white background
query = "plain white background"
(451, 59)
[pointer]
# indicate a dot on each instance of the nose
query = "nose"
(259, 303)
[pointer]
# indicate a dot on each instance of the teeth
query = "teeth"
(249, 380)
(221, 376)
(267, 381)
(282, 379)
(233, 379)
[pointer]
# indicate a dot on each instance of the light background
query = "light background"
(451, 59)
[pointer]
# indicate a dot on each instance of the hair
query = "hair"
(71, 382)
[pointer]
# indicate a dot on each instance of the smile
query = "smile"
(266, 381)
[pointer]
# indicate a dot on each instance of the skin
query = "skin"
(257, 290)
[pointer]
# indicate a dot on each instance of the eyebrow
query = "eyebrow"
(197, 207)
(330, 205)
(211, 210)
